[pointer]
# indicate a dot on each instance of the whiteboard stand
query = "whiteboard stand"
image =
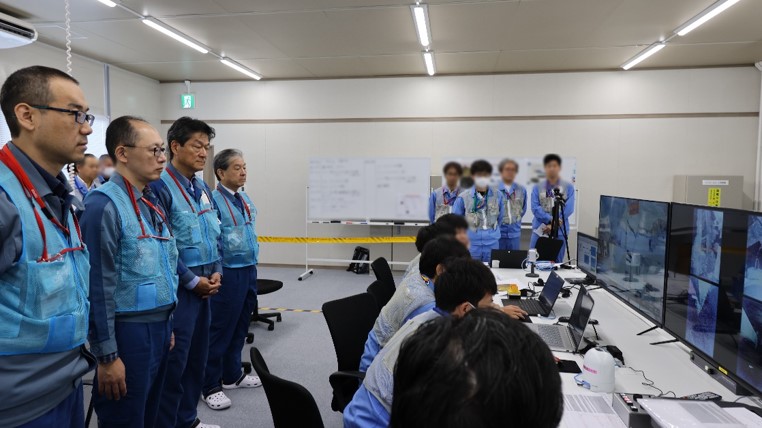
(307, 271)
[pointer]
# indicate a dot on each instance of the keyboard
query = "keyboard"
(551, 335)
(531, 306)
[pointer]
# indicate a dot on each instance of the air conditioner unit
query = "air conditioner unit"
(15, 33)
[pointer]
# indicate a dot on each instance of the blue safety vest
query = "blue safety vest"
(146, 266)
(43, 304)
(239, 238)
(195, 226)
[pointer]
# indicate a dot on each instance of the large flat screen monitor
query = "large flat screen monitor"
(714, 288)
(587, 254)
(632, 250)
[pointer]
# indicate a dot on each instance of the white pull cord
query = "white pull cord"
(67, 18)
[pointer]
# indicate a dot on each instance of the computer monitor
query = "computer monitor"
(587, 254)
(580, 315)
(632, 250)
(714, 288)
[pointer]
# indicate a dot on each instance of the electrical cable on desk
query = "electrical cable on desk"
(651, 384)
(740, 398)
(595, 330)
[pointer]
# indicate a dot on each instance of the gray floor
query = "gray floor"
(299, 349)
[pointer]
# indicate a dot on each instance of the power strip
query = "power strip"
(628, 409)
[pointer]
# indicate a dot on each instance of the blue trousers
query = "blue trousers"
(483, 253)
(187, 360)
(561, 254)
(144, 351)
(231, 316)
(510, 243)
(69, 413)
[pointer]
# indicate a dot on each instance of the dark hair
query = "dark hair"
(104, 157)
(183, 129)
(463, 280)
(550, 158)
(484, 370)
(82, 162)
(430, 232)
(29, 85)
(453, 221)
(437, 251)
(505, 162)
(481, 166)
(450, 165)
(222, 159)
(466, 182)
(120, 132)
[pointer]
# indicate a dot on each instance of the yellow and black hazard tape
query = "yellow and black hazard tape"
(309, 311)
(352, 240)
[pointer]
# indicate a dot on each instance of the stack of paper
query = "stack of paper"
(589, 411)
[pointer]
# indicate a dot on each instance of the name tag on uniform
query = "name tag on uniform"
(205, 199)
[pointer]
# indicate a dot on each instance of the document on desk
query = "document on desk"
(503, 279)
(745, 416)
(589, 411)
(688, 414)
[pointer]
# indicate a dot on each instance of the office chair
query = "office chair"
(349, 321)
(265, 286)
(383, 272)
(291, 404)
(381, 292)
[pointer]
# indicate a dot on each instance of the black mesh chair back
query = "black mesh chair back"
(382, 292)
(383, 272)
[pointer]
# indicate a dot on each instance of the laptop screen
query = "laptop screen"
(580, 315)
(551, 290)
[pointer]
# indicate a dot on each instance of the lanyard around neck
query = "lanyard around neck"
(245, 206)
(476, 199)
(452, 199)
(185, 194)
(151, 206)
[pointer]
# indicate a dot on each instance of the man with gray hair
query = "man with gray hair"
(233, 305)
(515, 203)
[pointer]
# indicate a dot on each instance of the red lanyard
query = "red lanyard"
(511, 195)
(245, 206)
(131, 193)
(185, 194)
(446, 202)
(6, 157)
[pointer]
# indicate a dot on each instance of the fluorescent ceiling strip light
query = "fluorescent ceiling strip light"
(171, 32)
(647, 52)
(421, 18)
(240, 68)
(707, 14)
(428, 58)
(108, 3)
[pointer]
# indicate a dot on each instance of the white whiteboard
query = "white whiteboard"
(394, 189)
(531, 172)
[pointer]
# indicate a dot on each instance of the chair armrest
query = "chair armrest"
(344, 375)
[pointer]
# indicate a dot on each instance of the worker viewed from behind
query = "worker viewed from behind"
(482, 205)
(443, 198)
(133, 280)
(514, 205)
(458, 225)
(480, 371)
(543, 199)
(44, 265)
(86, 178)
(105, 168)
(233, 305)
(193, 217)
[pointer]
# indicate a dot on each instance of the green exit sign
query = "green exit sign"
(188, 101)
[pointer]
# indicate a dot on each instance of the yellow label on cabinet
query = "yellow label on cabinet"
(713, 196)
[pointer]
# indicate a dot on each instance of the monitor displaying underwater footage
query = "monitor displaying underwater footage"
(714, 288)
(632, 251)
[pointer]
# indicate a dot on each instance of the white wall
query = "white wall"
(628, 131)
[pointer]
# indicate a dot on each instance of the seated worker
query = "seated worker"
(515, 205)
(448, 224)
(413, 296)
(459, 225)
(443, 198)
(464, 285)
(483, 370)
(483, 208)
(543, 199)
(424, 235)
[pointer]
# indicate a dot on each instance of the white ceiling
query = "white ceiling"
(349, 38)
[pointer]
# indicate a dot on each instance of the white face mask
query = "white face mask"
(108, 171)
(482, 182)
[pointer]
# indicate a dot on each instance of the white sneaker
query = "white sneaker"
(246, 381)
(216, 401)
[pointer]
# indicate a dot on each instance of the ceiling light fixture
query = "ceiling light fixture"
(108, 3)
(421, 19)
(428, 58)
(647, 52)
(240, 68)
(707, 14)
(171, 32)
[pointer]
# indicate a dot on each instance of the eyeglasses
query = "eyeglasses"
(79, 116)
(157, 151)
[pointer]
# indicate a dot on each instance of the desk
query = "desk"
(668, 365)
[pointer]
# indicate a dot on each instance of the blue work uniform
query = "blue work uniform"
(133, 290)
(43, 304)
(484, 215)
(441, 202)
(414, 296)
(542, 209)
(371, 405)
(233, 305)
(193, 217)
(514, 207)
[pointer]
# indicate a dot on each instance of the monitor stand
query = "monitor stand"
(661, 342)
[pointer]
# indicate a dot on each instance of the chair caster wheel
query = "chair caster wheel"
(246, 368)
(250, 338)
(278, 318)
(271, 327)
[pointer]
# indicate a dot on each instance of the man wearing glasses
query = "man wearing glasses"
(193, 217)
(133, 279)
(43, 263)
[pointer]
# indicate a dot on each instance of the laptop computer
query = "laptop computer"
(567, 338)
(510, 259)
(544, 304)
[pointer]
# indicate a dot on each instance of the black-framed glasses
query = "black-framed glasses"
(157, 151)
(79, 116)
